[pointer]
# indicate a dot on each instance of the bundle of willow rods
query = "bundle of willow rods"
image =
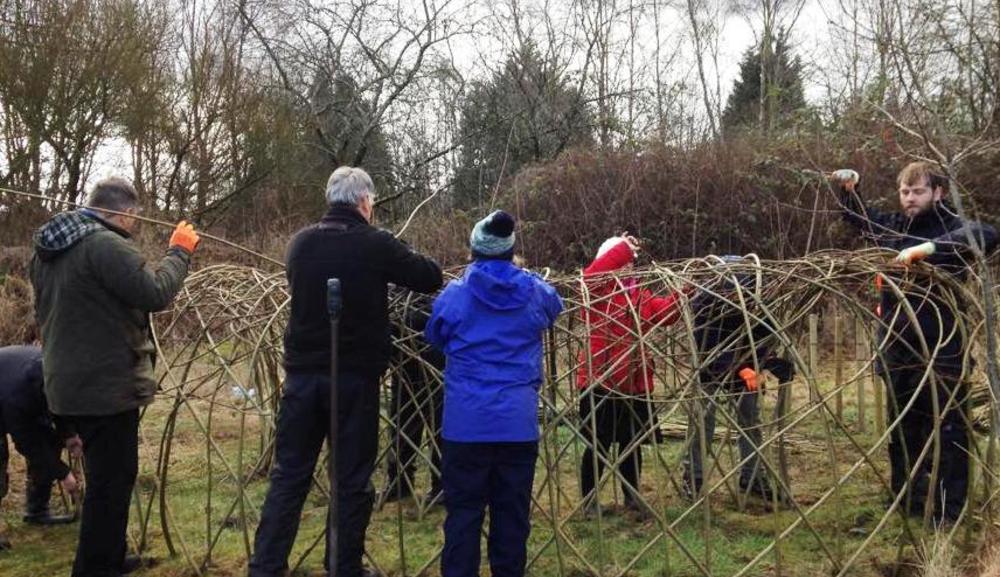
(220, 360)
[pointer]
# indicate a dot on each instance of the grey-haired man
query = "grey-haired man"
(366, 259)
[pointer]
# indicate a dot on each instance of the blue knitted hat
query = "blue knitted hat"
(493, 236)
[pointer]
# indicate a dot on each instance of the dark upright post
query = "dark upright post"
(334, 304)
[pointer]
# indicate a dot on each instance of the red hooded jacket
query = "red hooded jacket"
(618, 360)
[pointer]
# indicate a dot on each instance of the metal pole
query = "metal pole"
(334, 304)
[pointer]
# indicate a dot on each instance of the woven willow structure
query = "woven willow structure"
(823, 435)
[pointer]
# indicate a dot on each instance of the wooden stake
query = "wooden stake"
(814, 356)
(838, 365)
(861, 356)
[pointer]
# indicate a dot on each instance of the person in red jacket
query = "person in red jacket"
(616, 378)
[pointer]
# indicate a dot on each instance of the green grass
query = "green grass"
(734, 536)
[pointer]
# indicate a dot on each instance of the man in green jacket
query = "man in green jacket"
(93, 296)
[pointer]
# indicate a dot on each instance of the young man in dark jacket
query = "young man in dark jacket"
(733, 348)
(25, 417)
(926, 229)
(489, 325)
(93, 296)
(366, 259)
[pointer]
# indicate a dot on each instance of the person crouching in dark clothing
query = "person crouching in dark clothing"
(732, 358)
(25, 417)
(926, 229)
(489, 325)
(417, 404)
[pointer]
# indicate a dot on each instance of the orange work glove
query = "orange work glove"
(878, 293)
(185, 237)
(749, 377)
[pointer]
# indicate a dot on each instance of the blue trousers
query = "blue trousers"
(303, 423)
(481, 475)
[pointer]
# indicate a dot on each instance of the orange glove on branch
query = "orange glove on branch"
(749, 377)
(185, 237)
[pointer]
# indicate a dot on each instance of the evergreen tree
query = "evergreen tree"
(526, 112)
(784, 94)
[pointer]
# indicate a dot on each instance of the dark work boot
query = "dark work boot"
(133, 563)
(395, 492)
(367, 572)
(760, 488)
(37, 506)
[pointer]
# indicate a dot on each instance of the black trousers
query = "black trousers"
(4, 459)
(916, 428)
(39, 489)
(303, 424)
(606, 419)
(747, 409)
(110, 463)
(417, 404)
(37, 500)
(480, 475)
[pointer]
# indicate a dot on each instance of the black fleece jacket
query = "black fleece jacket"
(727, 346)
(935, 318)
(365, 259)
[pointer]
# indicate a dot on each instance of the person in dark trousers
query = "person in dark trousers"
(926, 229)
(366, 259)
(417, 403)
(93, 295)
(489, 325)
(732, 354)
(615, 376)
(25, 416)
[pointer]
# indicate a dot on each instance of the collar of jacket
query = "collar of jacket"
(930, 220)
(343, 212)
(115, 229)
(506, 255)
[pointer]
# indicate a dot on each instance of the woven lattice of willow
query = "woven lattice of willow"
(820, 440)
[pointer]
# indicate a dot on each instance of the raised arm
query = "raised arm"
(613, 259)
(943, 249)
(407, 268)
(984, 235)
(123, 271)
(438, 330)
(660, 310)
(873, 223)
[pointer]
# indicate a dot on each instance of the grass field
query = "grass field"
(722, 538)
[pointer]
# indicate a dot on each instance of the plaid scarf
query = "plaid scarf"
(65, 229)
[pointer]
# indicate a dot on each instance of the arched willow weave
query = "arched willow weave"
(824, 434)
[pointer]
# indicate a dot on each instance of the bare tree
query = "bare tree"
(76, 63)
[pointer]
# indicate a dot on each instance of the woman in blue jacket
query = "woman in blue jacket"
(489, 325)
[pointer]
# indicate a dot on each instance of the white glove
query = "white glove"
(846, 178)
(913, 254)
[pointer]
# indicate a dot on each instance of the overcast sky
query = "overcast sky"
(476, 56)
